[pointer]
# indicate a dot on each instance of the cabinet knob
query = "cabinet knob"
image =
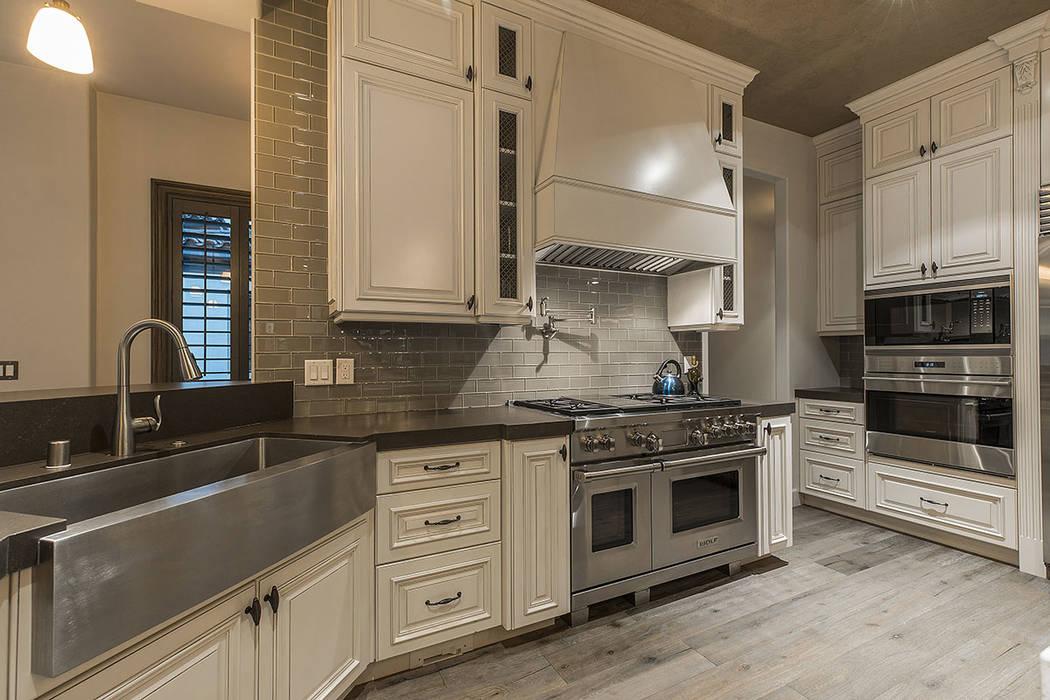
(933, 268)
(933, 147)
(922, 269)
(528, 304)
(718, 139)
(720, 314)
(255, 610)
(273, 598)
(470, 74)
(470, 302)
(922, 150)
(528, 83)
(564, 452)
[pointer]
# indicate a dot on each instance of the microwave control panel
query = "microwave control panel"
(981, 311)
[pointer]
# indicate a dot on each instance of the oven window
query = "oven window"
(969, 419)
(612, 519)
(705, 500)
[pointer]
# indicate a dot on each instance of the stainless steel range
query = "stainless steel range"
(662, 487)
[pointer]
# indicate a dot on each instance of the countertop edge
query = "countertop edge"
(832, 393)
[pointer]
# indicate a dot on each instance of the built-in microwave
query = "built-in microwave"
(942, 316)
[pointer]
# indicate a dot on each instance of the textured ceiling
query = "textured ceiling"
(814, 56)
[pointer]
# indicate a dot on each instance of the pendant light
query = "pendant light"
(58, 38)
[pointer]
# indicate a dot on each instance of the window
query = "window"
(201, 277)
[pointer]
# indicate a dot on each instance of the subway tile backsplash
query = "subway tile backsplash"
(408, 366)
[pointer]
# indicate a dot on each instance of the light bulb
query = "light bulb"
(58, 38)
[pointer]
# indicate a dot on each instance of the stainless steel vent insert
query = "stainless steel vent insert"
(618, 260)
(1044, 210)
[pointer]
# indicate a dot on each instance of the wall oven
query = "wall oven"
(938, 376)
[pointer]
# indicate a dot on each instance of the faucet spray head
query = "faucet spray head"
(188, 364)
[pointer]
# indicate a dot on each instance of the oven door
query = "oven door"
(961, 422)
(704, 504)
(611, 522)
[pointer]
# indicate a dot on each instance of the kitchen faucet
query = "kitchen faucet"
(124, 426)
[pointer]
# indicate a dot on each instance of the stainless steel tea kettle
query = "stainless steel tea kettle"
(668, 380)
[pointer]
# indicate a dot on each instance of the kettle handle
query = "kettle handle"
(660, 372)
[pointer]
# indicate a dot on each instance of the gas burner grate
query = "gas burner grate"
(686, 401)
(568, 406)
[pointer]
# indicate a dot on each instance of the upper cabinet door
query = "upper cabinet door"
(728, 293)
(975, 112)
(897, 226)
(433, 39)
(506, 277)
(506, 51)
(841, 174)
(897, 140)
(840, 228)
(972, 210)
(408, 194)
(727, 121)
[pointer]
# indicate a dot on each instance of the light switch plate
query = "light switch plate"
(344, 370)
(318, 372)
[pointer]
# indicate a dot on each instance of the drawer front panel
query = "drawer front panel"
(422, 467)
(839, 411)
(437, 598)
(430, 521)
(973, 509)
(845, 439)
(836, 478)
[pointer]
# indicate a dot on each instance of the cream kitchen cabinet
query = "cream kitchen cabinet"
(897, 226)
(506, 51)
(897, 140)
(840, 174)
(315, 644)
(536, 583)
(840, 235)
(972, 222)
(406, 205)
(774, 485)
(726, 121)
(316, 629)
(506, 277)
(975, 112)
(432, 39)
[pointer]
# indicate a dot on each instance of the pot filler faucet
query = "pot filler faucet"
(124, 426)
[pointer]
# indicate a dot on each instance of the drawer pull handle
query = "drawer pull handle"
(444, 522)
(833, 411)
(935, 503)
(440, 467)
(825, 438)
(444, 601)
(828, 478)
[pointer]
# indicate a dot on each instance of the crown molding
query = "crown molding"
(1030, 36)
(972, 63)
(840, 137)
(592, 21)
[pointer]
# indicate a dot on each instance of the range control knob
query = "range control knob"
(589, 443)
(608, 442)
(653, 442)
(636, 438)
(699, 437)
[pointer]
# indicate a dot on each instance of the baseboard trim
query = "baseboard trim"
(983, 549)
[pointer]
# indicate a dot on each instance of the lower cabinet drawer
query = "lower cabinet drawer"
(843, 439)
(836, 478)
(443, 465)
(433, 599)
(980, 511)
(430, 521)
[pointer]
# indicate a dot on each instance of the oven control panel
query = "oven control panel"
(646, 438)
(720, 430)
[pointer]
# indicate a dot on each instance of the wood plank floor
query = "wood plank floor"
(851, 611)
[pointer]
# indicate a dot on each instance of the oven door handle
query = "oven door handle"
(912, 385)
(581, 475)
(712, 458)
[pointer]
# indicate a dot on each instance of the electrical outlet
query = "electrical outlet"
(8, 370)
(318, 372)
(344, 370)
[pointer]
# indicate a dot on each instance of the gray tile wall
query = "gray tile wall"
(408, 366)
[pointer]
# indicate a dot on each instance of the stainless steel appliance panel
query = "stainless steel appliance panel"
(1044, 358)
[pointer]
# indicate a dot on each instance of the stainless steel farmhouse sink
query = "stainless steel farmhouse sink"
(151, 539)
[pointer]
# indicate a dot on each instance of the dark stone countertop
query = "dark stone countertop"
(832, 393)
(766, 409)
(18, 538)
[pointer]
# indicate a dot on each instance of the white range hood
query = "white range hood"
(628, 177)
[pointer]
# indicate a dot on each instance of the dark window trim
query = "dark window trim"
(165, 264)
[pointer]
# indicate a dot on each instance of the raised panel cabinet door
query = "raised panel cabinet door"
(433, 39)
(211, 656)
(972, 210)
(898, 139)
(774, 485)
(727, 121)
(897, 226)
(506, 269)
(408, 199)
(841, 174)
(728, 280)
(840, 232)
(506, 51)
(977, 111)
(317, 624)
(536, 584)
